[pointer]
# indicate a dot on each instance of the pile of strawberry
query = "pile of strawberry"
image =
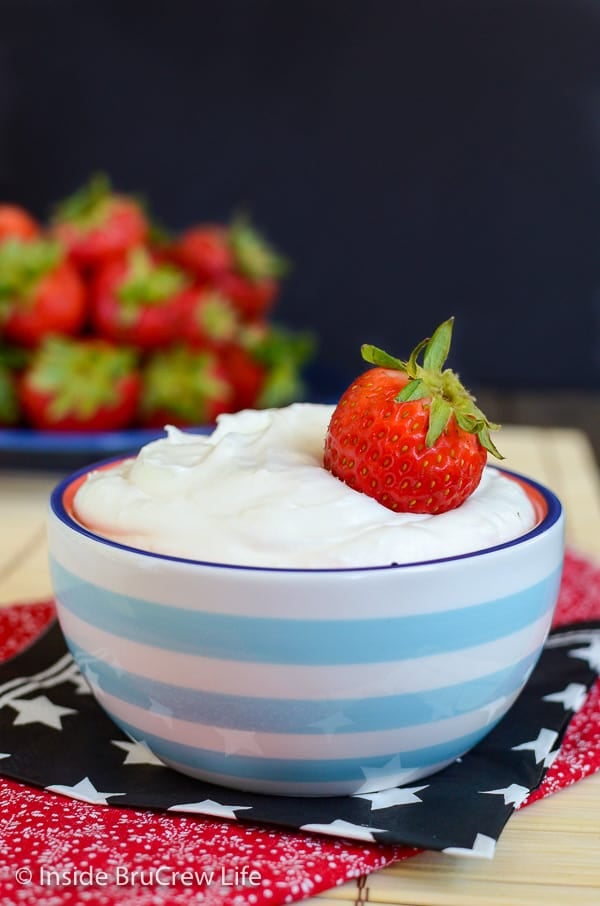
(107, 323)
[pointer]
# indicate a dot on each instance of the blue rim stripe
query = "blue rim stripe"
(296, 770)
(309, 642)
(268, 715)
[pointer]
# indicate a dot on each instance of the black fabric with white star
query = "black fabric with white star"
(54, 735)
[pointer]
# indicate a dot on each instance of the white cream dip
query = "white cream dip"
(255, 492)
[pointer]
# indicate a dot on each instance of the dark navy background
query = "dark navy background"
(414, 159)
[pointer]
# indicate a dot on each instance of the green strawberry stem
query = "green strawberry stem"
(80, 377)
(184, 383)
(149, 283)
(22, 266)
(88, 206)
(440, 385)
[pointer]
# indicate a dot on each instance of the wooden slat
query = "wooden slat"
(23, 558)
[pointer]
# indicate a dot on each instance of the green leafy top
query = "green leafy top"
(216, 317)
(252, 254)
(441, 385)
(80, 376)
(148, 282)
(185, 383)
(283, 353)
(88, 206)
(23, 264)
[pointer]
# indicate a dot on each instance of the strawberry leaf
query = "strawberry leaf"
(184, 383)
(439, 415)
(148, 283)
(438, 347)
(79, 376)
(88, 206)
(23, 264)
(253, 256)
(380, 358)
(414, 390)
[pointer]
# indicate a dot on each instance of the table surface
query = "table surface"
(549, 852)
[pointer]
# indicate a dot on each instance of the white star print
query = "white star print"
(483, 848)
(391, 767)
(332, 723)
(137, 753)
(239, 742)
(513, 794)
(39, 710)
(495, 709)
(591, 654)
(572, 697)
(341, 828)
(540, 746)
(550, 758)
(5, 755)
(395, 796)
(209, 807)
(84, 791)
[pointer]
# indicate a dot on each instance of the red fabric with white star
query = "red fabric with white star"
(48, 842)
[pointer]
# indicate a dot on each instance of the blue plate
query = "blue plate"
(24, 448)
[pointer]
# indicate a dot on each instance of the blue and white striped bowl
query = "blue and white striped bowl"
(305, 682)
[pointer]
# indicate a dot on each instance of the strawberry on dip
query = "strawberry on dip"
(408, 434)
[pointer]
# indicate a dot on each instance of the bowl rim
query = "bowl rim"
(546, 503)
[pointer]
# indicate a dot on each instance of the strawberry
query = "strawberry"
(204, 251)
(138, 300)
(80, 385)
(95, 223)
(16, 222)
(410, 435)
(282, 355)
(41, 293)
(253, 282)
(183, 387)
(209, 320)
(245, 374)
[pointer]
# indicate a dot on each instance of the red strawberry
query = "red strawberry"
(183, 387)
(95, 223)
(253, 282)
(204, 250)
(281, 355)
(80, 385)
(245, 374)
(410, 435)
(209, 320)
(16, 222)
(138, 301)
(40, 292)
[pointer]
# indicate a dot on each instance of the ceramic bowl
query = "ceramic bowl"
(305, 682)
